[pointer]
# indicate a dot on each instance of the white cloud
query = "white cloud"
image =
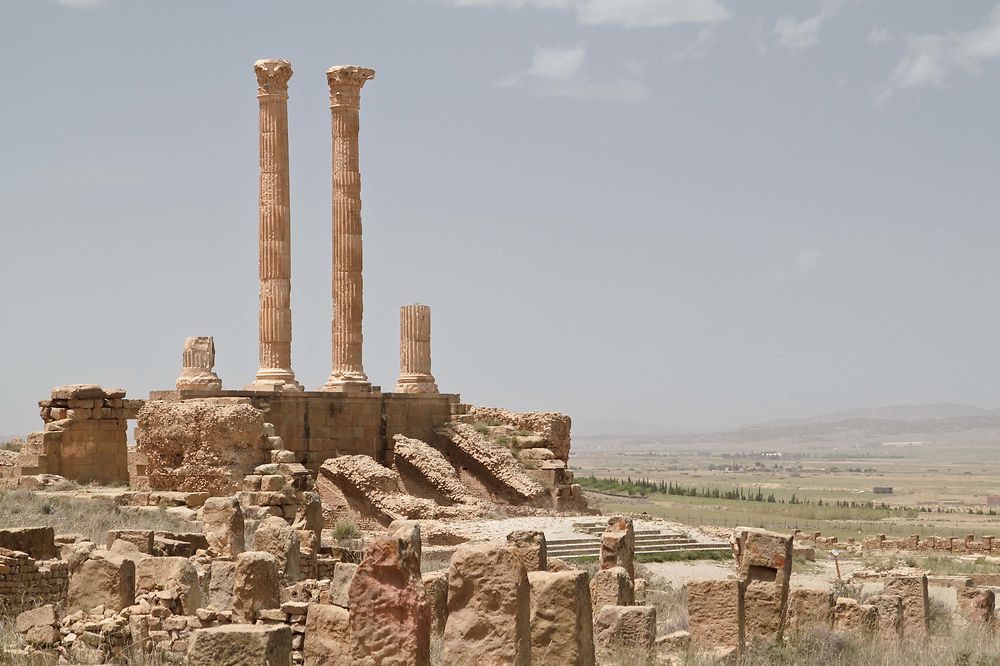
(557, 63)
(624, 13)
(650, 13)
(697, 49)
(558, 72)
(879, 36)
(803, 262)
(930, 59)
(513, 4)
(799, 35)
(82, 4)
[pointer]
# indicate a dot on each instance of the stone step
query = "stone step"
(638, 544)
(686, 548)
(639, 549)
(600, 530)
(639, 539)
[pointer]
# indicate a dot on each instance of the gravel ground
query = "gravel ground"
(555, 527)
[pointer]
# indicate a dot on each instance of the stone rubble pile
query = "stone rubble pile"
(495, 603)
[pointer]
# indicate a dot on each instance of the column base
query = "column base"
(347, 382)
(415, 384)
(271, 381)
(194, 379)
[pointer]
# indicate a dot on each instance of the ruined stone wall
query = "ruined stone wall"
(27, 583)
(84, 438)
(969, 544)
(30, 576)
(318, 425)
(206, 445)
(551, 427)
(415, 415)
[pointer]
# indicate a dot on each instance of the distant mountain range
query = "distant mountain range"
(891, 413)
(938, 424)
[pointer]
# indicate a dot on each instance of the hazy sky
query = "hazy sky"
(669, 213)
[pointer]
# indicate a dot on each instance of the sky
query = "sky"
(648, 214)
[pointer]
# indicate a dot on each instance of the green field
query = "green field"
(931, 493)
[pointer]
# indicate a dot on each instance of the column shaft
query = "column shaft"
(345, 96)
(415, 350)
(275, 265)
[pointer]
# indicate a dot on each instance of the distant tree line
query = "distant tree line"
(645, 487)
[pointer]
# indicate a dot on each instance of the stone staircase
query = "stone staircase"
(647, 542)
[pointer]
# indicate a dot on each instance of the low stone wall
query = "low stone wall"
(84, 438)
(28, 583)
(968, 545)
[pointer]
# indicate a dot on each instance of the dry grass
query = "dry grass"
(91, 517)
(670, 602)
(434, 561)
(959, 647)
(13, 444)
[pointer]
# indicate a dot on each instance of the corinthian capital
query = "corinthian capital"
(345, 84)
(272, 77)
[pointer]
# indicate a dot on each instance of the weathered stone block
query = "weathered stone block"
(241, 645)
(105, 579)
(529, 546)
(628, 630)
(889, 623)
(916, 605)
(142, 539)
(223, 523)
(275, 536)
(340, 585)
(44, 616)
(488, 608)
(561, 618)
(810, 609)
(852, 617)
(618, 545)
(611, 587)
(389, 621)
(436, 594)
(765, 619)
(327, 636)
(256, 585)
(716, 614)
(976, 605)
(201, 445)
(172, 574)
(220, 585)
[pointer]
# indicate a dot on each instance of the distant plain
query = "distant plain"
(941, 461)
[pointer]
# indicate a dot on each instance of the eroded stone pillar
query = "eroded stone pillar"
(415, 350)
(348, 374)
(275, 267)
(198, 360)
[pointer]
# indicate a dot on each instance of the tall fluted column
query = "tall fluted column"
(275, 264)
(415, 350)
(348, 374)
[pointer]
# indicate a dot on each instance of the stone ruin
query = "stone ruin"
(374, 457)
(758, 606)
(84, 436)
(498, 602)
(265, 468)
